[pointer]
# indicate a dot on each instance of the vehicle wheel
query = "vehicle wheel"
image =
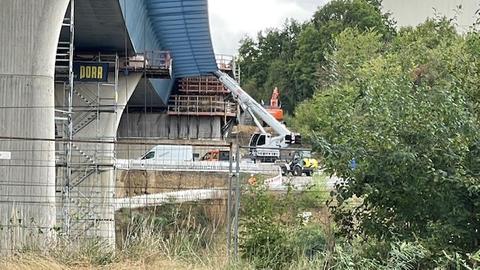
(297, 171)
(284, 170)
(308, 173)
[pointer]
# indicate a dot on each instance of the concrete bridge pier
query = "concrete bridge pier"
(91, 209)
(28, 36)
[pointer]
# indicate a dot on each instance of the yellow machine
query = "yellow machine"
(301, 163)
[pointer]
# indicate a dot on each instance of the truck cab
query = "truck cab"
(216, 155)
(261, 149)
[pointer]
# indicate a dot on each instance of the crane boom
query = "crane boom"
(285, 136)
(249, 103)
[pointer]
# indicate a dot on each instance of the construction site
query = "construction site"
(113, 106)
(213, 134)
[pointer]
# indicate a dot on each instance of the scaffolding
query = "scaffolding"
(206, 96)
(64, 123)
(81, 118)
(154, 64)
(200, 106)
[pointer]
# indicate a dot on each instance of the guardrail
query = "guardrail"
(168, 197)
(153, 62)
(225, 62)
(150, 59)
(195, 166)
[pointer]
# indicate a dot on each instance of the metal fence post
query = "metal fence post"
(237, 200)
(229, 202)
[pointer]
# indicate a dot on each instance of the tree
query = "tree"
(265, 61)
(406, 113)
(291, 57)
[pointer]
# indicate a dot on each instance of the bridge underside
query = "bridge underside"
(35, 84)
(129, 32)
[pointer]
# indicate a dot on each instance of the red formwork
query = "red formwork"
(201, 96)
(205, 85)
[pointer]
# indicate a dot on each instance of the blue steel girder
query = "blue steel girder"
(179, 26)
(187, 35)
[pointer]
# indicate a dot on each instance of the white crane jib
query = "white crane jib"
(248, 104)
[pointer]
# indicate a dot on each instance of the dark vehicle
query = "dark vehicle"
(301, 163)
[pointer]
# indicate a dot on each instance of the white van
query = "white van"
(169, 154)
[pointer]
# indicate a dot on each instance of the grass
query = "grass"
(145, 248)
(36, 262)
(165, 237)
(179, 240)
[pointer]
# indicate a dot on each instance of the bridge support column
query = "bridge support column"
(28, 36)
(92, 185)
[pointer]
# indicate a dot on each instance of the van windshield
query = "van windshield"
(149, 155)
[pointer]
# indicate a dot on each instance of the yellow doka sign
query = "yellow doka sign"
(92, 72)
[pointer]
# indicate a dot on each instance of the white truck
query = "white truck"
(263, 146)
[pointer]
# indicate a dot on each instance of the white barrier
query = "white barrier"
(274, 182)
(168, 197)
(195, 166)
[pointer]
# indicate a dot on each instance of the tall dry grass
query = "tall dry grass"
(185, 244)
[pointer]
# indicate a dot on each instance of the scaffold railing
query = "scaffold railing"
(149, 60)
(200, 106)
(205, 85)
(225, 62)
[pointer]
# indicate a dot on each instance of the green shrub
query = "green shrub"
(272, 235)
(310, 240)
(268, 246)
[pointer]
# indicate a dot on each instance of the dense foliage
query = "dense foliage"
(394, 113)
(406, 112)
(274, 236)
(291, 57)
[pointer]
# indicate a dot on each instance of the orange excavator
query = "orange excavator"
(275, 109)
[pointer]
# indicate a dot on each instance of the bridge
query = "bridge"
(76, 77)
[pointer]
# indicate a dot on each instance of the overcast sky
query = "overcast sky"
(230, 20)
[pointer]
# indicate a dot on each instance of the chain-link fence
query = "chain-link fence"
(146, 189)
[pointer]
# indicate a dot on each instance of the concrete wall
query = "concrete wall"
(28, 36)
(163, 126)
